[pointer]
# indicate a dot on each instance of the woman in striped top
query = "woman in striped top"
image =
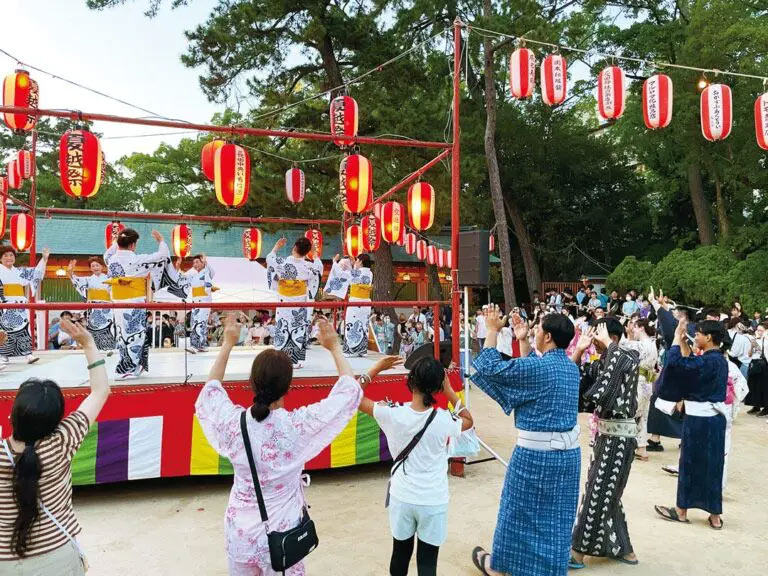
(37, 521)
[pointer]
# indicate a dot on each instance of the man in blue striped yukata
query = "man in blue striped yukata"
(541, 488)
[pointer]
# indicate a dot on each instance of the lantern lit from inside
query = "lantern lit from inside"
(421, 206)
(316, 237)
(522, 73)
(252, 243)
(20, 91)
(208, 156)
(716, 112)
(344, 120)
(2, 217)
(611, 93)
(377, 210)
(371, 237)
(12, 172)
(353, 241)
(294, 185)
(554, 80)
(111, 232)
(356, 183)
(80, 163)
(421, 249)
(22, 231)
(3, 186)
(232, 175)
(392, 222)
(410, 243)
(442, 258)
(449, 258)
(24, 164)
(181, 240)
(761, 121)
(431, 255)
(491, 243)
(401, 241)
(658, 98)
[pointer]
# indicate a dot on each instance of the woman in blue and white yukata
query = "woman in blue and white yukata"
(200, 280)
(15, 323)
(100, 322)
(357, 279)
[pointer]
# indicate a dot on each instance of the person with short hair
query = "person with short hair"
(94, 288)
(356, 279)
(64, 340)
(200, 280)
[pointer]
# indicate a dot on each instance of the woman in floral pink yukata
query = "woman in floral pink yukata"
(282, 440)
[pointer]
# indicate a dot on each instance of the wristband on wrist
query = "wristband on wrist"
(96, 364)
(365, 379)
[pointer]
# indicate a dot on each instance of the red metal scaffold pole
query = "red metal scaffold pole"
(455, 190)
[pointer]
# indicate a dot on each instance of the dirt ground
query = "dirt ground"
(175, 527)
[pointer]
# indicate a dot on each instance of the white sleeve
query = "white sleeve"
(161, 254)
(110, 252)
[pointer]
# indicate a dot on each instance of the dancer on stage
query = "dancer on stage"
(541, 487)
(702, 453)
(169, 282)
(289, 277)
(128, 278)
(15, 323)
(313, 287)
(200, 280)
(611, 384)
(94, 288)
(357, 279)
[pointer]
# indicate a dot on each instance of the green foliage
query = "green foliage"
(630, 274)
(746, 283)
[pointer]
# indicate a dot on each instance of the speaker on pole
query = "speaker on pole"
(473, 258)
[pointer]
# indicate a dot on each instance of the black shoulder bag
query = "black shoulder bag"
(289, 547)
(400, 460)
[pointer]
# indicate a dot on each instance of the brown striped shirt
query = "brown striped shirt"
(55, 452)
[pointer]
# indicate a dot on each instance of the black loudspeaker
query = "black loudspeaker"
(473, 258)
(428, 351)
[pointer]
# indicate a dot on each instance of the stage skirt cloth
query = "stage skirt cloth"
(356, 328)
(702, 456)
(199, 328)
(758, 391)
(538, 506)
(132, 340)
(15, 323)
(663, 424)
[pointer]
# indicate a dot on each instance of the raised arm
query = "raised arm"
(97, 370)
(80, 284)
(160, 255)
(386, 363)
(459, 410)
(229, 340)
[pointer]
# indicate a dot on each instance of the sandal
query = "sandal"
(478, 559)
(573, 565)
(711, 525)
(640, 457)
(670, 470)
(670, 513)
(634, 562)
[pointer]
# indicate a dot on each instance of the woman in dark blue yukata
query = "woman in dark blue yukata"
(702, 454)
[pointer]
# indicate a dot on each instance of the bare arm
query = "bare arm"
(329, 340)
(466, 417)
(98, 381)
(386, 363)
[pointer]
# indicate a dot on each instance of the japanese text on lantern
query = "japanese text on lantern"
(557, 74)
(239, 173)
(653, 96)
(716, 108)
(75, 145)
(608, 91)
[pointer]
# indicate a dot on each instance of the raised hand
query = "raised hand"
(327, 336)
(336, 259)
(157, 236)
(494, 321)
(602, 336)
(521, 331)
(585, 340)
(280, 243)
(71, 267)
(46, 253)
(231, 330)
(78, 333)
(386, 363)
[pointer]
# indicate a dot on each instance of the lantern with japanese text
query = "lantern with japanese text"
(371, 236)
(421, 249)
(716, 112)
(431, 254)
(377, 210)
(611, 93)
(344, 120)
(316, 237)
(232, 175)
(442, 258)
(554, 80)
(491, 243)
(252, 243)
(410, 243)
(522, 73)
(421, 205)
(353, 241)
(24, 163)
(294, 185)
(181, 240)
(20, 91)
(761, 121)
(392, 222)
(111, 232)
(208, 157)
(80, 163)
(22, 231)
(356, 183)
(657, 101)
(2, 217)
(3, 186)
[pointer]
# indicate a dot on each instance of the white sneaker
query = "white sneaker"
(202, 350)
(126, 376)
(298, 366)
(189, 351)
(32, 359)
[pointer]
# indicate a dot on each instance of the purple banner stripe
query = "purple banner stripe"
(384, 454)
(112, 451)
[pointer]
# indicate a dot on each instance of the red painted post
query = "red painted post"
(455, 188)
(436, 330)
(33, 247)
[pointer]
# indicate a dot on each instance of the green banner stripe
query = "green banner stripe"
(225, 466)
(84, 462)
(367, 440)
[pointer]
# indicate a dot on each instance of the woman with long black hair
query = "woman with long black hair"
(37, 523)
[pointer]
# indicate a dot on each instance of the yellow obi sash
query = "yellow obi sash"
(199, 292)
(650, 375)
(362, 291)
(128, 288)
(98, 294)
(292, 288)
(13, 290)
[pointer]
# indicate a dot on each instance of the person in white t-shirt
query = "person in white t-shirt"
(418, 494)
(480, 330)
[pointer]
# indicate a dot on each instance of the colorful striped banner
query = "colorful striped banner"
(204, 460)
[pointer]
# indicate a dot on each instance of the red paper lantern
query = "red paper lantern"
(431, 255)
(12, 172)
(356, 183)
(208, 157)
(522, 73)
(24, 163)
(111, 231)
(294, 185)
(20, 91)
(316, 237)
(442, 258)
(377, 210)
(344, 120)
(657, 101)
(421, 249)
(232, 175)
(3, 187)
(401, 241)
(449, 258)
(392, 222)
(716, 112)
(353, 244)
(2, 217)
(421, 206)
(80, 163)
(761, 121)
(611, 92)
(22, 232)
(181, 240)
(491, 243)
(252, 243)
(410, 243)
(554, 80)
(371, 235)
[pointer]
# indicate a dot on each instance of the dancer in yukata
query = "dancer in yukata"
(100, 322)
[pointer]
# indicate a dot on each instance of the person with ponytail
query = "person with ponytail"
(37, 521)
(283, 441)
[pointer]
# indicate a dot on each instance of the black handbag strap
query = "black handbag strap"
(252, 464)
(400, 460)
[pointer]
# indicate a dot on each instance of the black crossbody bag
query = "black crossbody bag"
(289, 547)
(400, 460)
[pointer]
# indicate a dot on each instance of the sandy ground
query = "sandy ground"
(175, 527)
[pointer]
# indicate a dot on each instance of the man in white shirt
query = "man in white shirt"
(416, 317)
(741, 348)
(480, 330)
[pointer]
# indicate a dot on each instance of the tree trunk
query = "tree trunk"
(435, 293)
(700, 205)
(494, 178)
(532, 272)
(330, 64)
(722, 211)
(383, 286)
